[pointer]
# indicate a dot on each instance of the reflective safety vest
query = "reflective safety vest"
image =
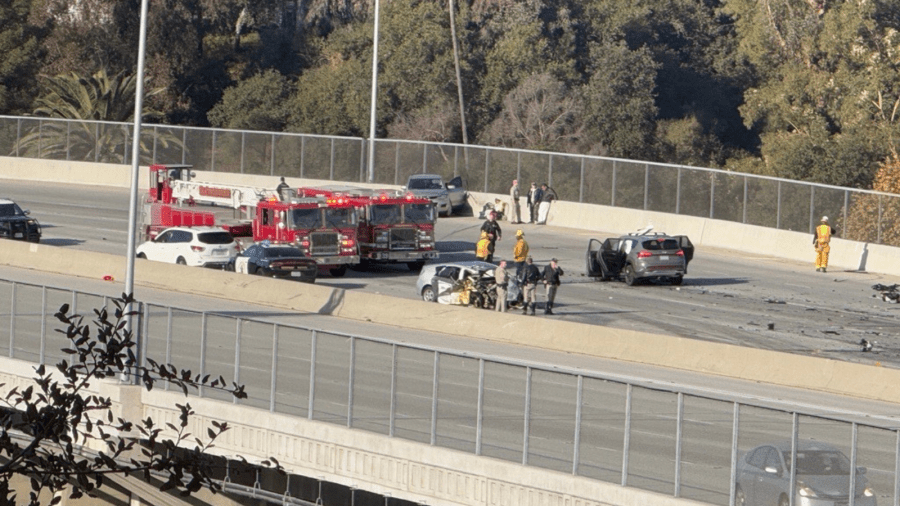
(481, 249)
(823, 234)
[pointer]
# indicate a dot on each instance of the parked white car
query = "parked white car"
(194, 246)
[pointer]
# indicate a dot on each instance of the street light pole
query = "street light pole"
(371, 177)
(135, 173)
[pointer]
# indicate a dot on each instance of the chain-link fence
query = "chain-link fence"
(755, 200)
(664, 438)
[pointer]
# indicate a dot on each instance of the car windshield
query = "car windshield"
(282, 252)
(385, 214)
(215, 238)
(660, 244)
(820, 462)
(425, 184)
(306, 218)
(419, 213)
(340, 217)
(10, 210)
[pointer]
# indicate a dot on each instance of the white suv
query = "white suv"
(195, 246)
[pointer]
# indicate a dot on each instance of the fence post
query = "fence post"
(434, 396)
(581, 183)
(646, 185)
(576, 440)
(424, 159)
(812, 209)
(550, 171)
(331, 165)
(778, 209)
(43, 324)
(12, 320)
(350, 381)
(897, 470)
(612, 198)
(795, 430)
(212, 154)
(168, 338)
(237, 355)
(678, 191)
(712, 195)
(202, 350)
(312, 375)
(626, 444)
(744, 218)
(527, 417)
(396, 163)
(183, 146)
(854, 434)
(679, 434)
(846, 230)
(273, 385)
(272, 158)
(68, 140)
(487, 157)
(302, 153)
(735, 428)
(393, 393)
(479, 411)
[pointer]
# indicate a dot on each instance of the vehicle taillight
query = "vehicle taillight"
(644, 254)
(347, 243)
(680, 253)
(305, 243)
(198, 249)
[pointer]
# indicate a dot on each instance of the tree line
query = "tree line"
(801, 89)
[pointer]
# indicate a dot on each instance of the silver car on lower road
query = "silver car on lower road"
(822, 477)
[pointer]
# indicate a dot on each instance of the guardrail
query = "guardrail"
(784, 204)
(663, 438)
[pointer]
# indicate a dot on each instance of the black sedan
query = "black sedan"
(274, 261)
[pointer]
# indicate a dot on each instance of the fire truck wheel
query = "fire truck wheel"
(415, 266)
(338, 271)
(181, 261)
(141, 255)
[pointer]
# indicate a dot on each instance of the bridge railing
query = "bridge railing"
(709, 193)
(666, 438)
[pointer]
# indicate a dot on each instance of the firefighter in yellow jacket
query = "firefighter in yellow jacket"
(822, 240)
(483, 247)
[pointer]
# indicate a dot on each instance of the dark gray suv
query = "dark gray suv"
(640, 257)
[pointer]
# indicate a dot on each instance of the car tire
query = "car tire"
(630, 280)
(338, 271)
(677, 280)
(428, 294)
(739, 498)
(415, 266)
(181, 261)
(141, 255)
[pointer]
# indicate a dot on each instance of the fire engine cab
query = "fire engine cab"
(324, 229)
(393, 227)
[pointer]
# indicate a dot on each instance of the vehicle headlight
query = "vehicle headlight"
(805, 491)
(382, 236)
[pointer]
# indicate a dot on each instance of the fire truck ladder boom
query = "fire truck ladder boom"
(232, 196)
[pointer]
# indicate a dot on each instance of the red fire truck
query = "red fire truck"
(324, 228)
(394, 227)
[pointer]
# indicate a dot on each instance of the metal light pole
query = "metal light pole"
(374, 96)
(135, 173)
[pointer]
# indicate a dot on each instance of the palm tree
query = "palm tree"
(89, 102)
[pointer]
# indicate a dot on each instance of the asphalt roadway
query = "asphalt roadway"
(726, 297)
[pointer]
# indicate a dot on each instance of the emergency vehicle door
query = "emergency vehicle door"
(687, 247)
(611, 258)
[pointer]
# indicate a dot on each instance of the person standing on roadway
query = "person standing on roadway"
(822, 242)
(552, 272)
(493, 230)
(530, 277)
(501, 277)
(520, 252)
(515, 214)
(548, 195)
(534, 199)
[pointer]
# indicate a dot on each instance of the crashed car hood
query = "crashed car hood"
(429, 193)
